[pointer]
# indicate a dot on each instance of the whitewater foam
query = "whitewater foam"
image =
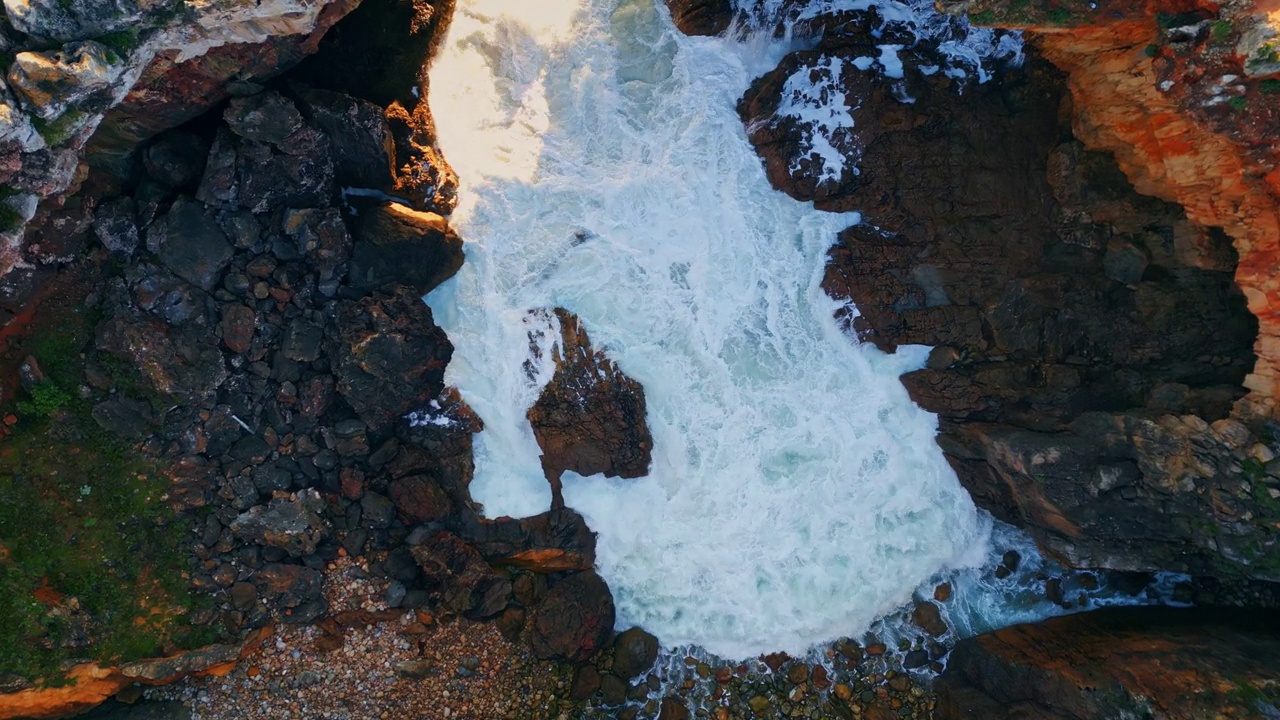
(796, 493)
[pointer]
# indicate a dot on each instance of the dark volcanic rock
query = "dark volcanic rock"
(363, 149)
(1118, 662)
(116, 227)
(464, 581)
(395, 244)
(575, 620)
(266, 117)
(420, 499)
(701, 17)
(591, 417)
(388, 355)
(554, 541)
(190, 244)
(176, 159)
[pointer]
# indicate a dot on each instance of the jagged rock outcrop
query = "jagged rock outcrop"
(156, 64)
(1185, 95)
(1158, 663)
(1087, 336)
(590, 418)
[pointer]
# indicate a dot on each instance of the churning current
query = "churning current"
(796, 493)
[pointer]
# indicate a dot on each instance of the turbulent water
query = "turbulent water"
(796, 493)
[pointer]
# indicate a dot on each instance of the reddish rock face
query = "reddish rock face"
(575, 620)
(1120, 662)
(1163, 86)
(591, 417)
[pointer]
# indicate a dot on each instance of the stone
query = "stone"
(301, 341)
(377, 511)
(116, 227)
(124, 417)
(388, 355)
(586, 682)
(60, 21)
(613, 690)
(363, 147)
(238, 325)
(673, 709)
(190, 244)
(634, 652)
(419, 499)
(266, 117)
(288, 586)
(459, 575)
(398, 245)
(295, 524)
(575, 620)
(1115, 662)
(53, 83)
(701, 17)
(1125, 262)
(928, 617)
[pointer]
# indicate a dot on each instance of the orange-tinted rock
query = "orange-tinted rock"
(1117, 662)
(1154, 108)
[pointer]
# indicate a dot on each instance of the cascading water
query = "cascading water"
(796, 492)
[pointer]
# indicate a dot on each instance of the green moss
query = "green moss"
(83, 517)
(10, 218)
(46, 399)
(120, 43)
(1059, 16)
(1151, 50)
(1270, 86)
(986, 17)
(1238, 103)
(59, 130)
(1221, 30)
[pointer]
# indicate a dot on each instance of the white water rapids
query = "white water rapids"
(796, 492)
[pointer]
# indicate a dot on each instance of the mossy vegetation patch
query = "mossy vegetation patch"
(93, 562)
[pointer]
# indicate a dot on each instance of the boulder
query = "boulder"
(116, 227)
(701, 17)
(554, 541)
(396, 244)
(52, 83)
(176, 160)
(388, 355)
(59, 20)
(267, 117)
(295, 524)
(591, 417)
(419, 499)
(363, 148)
(288, 586)
(634, 652)
(458, 574)
(575, 620)
(190, 244)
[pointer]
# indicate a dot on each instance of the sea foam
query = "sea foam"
(796, 493)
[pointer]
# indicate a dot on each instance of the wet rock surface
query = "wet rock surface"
(1141, 662)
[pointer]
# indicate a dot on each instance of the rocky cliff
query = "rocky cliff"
(120, 72)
